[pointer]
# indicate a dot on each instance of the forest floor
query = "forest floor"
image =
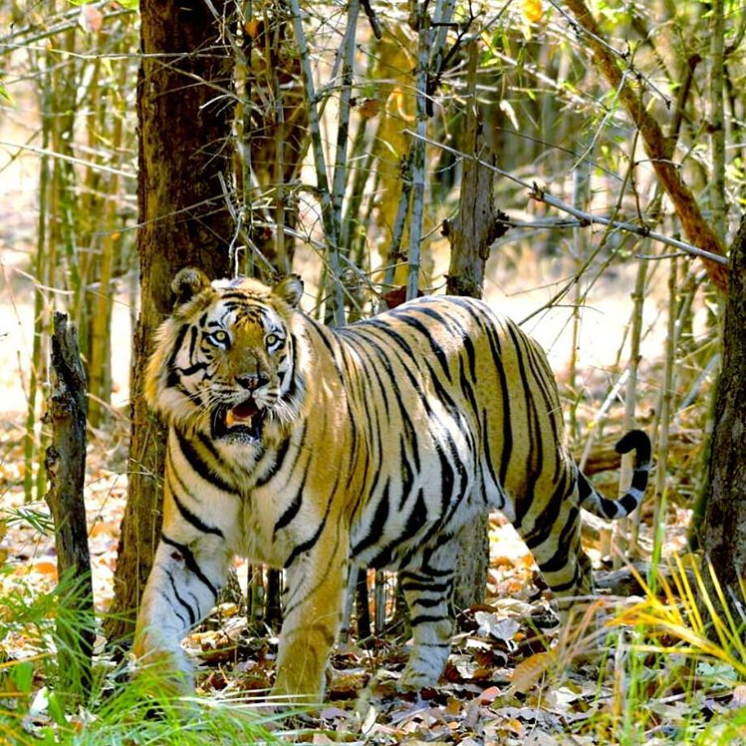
(513, 677)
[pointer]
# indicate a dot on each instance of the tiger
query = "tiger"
(312, 449)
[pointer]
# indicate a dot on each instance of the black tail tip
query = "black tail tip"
(638, 441)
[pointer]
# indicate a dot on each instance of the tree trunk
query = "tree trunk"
(65, 463)
(724, 530)
(471, 236)
(185, 117)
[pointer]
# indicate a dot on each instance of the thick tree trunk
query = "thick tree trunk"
(724, 531)
(65, 463)
(185, 116)
(471, 236)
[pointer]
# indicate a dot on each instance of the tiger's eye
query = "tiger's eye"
(272, 339)
(220, 337)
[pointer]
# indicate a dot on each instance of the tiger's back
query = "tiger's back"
(308, 448)
(443, 394)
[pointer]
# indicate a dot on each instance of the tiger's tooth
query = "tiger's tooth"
(230, 419)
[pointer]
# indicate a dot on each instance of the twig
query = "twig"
(375, 24)
(70, 159)
(718, 205)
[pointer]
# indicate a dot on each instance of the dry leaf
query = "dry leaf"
(500, 629)
(91, 19)
(45, 567)
(528, 672)
(532, 10)
(739, 697)
(251, 28)
(489, 695)
(369, 107)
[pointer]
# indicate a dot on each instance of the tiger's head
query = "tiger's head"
(224, 362)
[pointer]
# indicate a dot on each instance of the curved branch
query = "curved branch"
(658, 147)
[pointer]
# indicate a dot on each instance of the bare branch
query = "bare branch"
(540, 194)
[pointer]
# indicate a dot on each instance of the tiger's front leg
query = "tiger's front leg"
(313, 604)
(188, 571)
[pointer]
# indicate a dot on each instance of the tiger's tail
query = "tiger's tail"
(596, 503)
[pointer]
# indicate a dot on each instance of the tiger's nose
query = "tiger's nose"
(253, 381)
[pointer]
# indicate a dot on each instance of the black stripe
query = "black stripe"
(416, 324)
(184, 604)
(407, 480)
(493, 339)
(559, 559)
(292, 510)
(546, 521)
(415, 621)
(430, 586)
(306, 545)
(430, 603)
(377, 524)
(570, 584)
(169, 603)
(172, 380)
(585, 488)
(278, 462)
(204, 470)
(190, 562)
(640, 479)
(193, 519)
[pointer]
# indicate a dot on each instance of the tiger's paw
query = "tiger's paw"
(163, 674)
(418, 675)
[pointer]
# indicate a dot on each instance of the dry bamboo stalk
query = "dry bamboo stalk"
(718, 205)
(400, 221)
(666, 398)
(99, 369)
(38, 354)
(417, 198)
(347, 52)
(626, 540)
(89, 212)
(328, 216)
(580, 194)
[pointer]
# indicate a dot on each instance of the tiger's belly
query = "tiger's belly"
(408, 509)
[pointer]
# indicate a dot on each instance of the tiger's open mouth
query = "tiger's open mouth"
(244, 420)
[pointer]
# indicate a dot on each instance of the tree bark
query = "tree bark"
(724, 530)
(65, 463)
(471, 236)
(185, 113)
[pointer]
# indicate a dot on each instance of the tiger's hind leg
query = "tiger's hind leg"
(427, 584)
(555, 544)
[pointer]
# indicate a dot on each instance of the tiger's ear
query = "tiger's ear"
(290, 290)
(187, 283)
